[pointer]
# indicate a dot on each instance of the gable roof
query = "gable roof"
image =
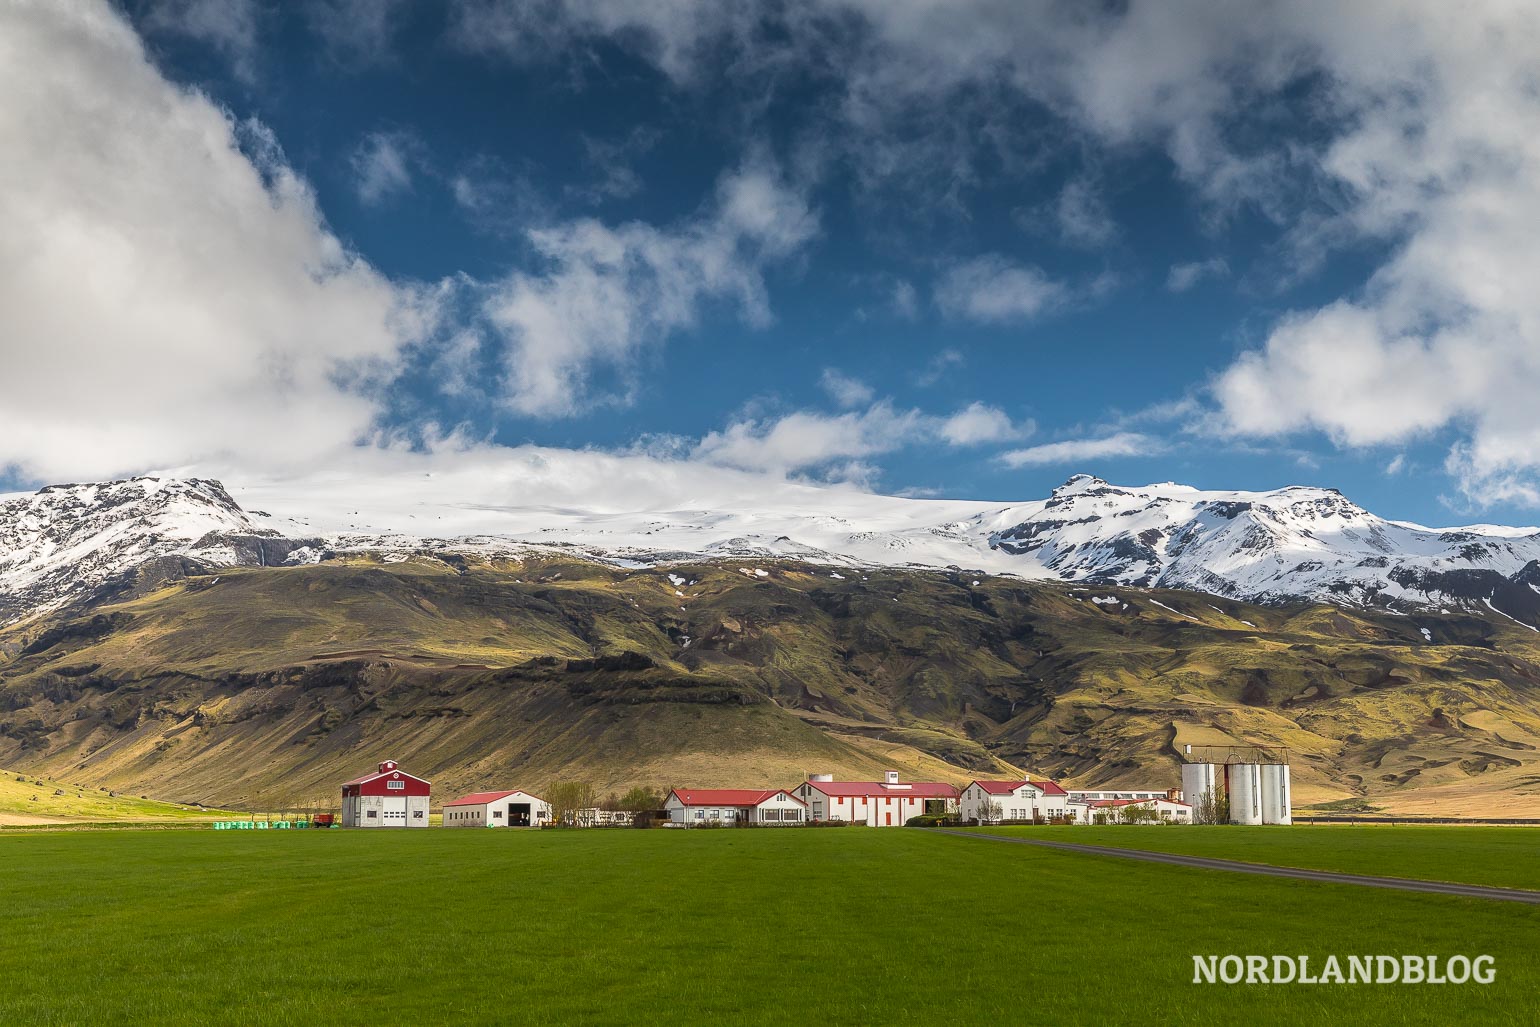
(730, 796)
(383, 773)
(867, 789)
(1049, 787)
(482, 798)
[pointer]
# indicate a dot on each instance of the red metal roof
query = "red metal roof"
(730, 796)
(382, 773)
(482, 798)
(922, 789)
(1049, 788)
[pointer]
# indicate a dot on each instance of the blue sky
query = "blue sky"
(960, 250)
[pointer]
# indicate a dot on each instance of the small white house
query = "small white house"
(690, 807)
(1014, 800)
(1114, 811)
(497, 809)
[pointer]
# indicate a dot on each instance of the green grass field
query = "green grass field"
(800, 926)
(1499, 856)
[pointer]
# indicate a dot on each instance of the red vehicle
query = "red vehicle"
(324, 820)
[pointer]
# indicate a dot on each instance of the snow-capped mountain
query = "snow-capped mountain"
(1289, 544)
(70, 542)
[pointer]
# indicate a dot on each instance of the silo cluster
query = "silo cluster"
(1258, 792)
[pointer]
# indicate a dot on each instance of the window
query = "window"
(371, 814)
(416, 814)
(700, 814)
(498, 814)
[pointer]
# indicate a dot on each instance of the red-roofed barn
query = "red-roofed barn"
(390, 797)
(497, 809)
(886, 803)
(694, 806)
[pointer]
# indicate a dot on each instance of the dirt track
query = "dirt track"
(1469, 891)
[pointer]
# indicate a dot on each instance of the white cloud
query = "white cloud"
(993, 288)
(804, 440)
(938, 366)
(807, 440)
(609, 292)
(356, 33)
(1421, 136)
(229, 26)
(980, 422)
(845, 390)
(382, 165)
(1184, 276)
(1077, 450)
(168, 289)
(1082, 215)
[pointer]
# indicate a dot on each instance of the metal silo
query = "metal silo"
(1199, 781)
(1275, 794)
(1244, 784)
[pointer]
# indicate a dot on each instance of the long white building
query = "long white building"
(694, 807)
(514, 808)
(886, 803)
(1014, 800)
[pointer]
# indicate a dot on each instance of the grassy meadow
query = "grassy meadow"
(29, 799)
(1502, 857)
(849, 926)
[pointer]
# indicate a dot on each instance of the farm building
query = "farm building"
(886, 803)
(692, 806)
(390, 797)
(1113, 794)
(497, 809)
(1015, 800)
(1113, 811)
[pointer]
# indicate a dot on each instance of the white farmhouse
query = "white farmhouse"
(886, 803)
(691, 807)
(1014, 800)
(497, 809)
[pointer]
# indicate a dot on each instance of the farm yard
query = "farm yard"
(846, 926)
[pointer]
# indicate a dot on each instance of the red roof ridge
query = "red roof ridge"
(384, 773)
(868, 789)
(730, 796)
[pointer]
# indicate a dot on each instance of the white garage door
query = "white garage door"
(394, 813)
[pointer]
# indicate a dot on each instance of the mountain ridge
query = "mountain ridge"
(78, 542)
